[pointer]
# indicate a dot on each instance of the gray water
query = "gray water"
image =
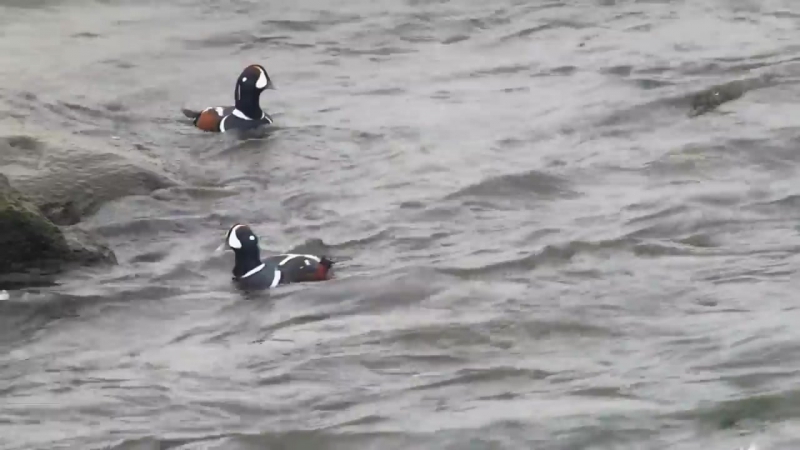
(540, 248)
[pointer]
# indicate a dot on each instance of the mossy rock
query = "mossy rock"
(26, 236)
(712, 98)
(29, 242)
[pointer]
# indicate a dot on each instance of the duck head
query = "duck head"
(253, 80)
(244, 244)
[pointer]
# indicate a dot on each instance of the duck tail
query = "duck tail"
(324, 268)
(190, 114)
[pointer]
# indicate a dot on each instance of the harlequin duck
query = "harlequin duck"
(250, 272)
(246, 112)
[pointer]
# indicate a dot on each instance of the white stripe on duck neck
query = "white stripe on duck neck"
(243, 116)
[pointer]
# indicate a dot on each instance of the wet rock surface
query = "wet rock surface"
(26, 236)
(34, 248)
(67, 182)
(710, 99)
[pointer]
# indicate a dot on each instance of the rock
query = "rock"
(73, 178)
(26, 236)
(31, 246)
(711, 98)
(86, 248)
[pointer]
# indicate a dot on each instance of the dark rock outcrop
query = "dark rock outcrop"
(710, 99)
(27, 238)
(31, 246)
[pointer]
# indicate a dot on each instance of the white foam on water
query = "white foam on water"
(4, 295)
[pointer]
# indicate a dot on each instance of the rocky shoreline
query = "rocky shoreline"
(34, 248)
(52, 188)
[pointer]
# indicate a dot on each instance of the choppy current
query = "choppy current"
(540, 248)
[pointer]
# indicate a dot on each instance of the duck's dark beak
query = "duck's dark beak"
(222, 247)
(270, 85)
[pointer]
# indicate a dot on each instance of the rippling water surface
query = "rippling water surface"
(540, 248)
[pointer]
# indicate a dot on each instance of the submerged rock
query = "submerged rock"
(70, 179)
(32, 246)
(711, 98)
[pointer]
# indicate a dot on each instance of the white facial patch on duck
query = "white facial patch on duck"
(233, 240)
(262, 79)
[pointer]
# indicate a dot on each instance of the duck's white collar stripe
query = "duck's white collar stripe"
(254, 271)
(277, 279)
(242, 115)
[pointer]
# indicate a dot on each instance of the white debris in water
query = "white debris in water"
(4, 295)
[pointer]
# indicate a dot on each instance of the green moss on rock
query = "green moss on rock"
(27, 238)
(31, 242)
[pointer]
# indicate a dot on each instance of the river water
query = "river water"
(539, 247)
